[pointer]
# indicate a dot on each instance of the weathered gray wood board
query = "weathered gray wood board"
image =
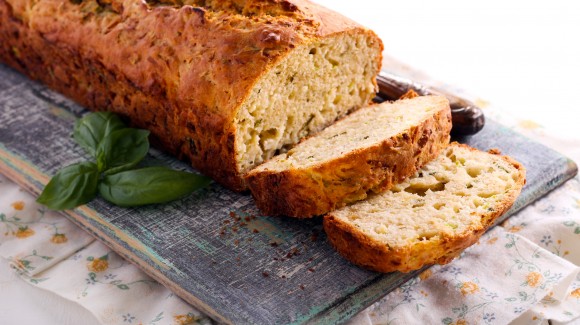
(213, 248)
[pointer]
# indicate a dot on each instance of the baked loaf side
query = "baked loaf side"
(431, 217)
(369, 150)
(224, 84)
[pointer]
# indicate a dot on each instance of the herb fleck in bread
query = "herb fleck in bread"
(224, 84)
(431, 217)
(369, 150)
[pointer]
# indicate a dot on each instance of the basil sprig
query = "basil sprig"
(116, 150)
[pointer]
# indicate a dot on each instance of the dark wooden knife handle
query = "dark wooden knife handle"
(467, 118)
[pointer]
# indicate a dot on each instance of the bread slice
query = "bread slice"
(371, 149)
(431, 217)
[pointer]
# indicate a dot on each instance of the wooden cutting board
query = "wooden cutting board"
(214, 249)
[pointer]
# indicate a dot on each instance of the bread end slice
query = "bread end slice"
(431, 217)
(368, 151)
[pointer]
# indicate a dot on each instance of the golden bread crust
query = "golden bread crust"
(312, 191)
(179, 70)
(361, 250)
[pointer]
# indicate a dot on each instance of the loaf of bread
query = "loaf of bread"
(431, 217)
(225, 84)
(368, 151)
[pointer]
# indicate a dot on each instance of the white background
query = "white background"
(522, 56)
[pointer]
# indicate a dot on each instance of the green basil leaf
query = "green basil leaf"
(149, 185)
(122, 149)
(72, 186)
(93, 127)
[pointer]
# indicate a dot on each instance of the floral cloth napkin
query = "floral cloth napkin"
(50, 252)
(525, 272)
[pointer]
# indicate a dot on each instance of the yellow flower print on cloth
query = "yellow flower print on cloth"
(460, 322)
(469, 288)
(21, 224)
(533, 279)
(29, 262)
(186, 319)
(23, 232)
(14, 225)
(492, 240)
(18, 205)
(100, 264)
(59, 238)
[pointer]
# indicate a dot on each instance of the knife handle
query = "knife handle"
(467, 118)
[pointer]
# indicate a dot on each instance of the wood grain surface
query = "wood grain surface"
(213, 248)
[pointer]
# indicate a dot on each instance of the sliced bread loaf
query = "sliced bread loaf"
(371, 149)
(224, 84)
(431, 217)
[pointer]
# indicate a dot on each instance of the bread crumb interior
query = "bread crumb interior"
(447, 197)
(364, 128)
(305, 92)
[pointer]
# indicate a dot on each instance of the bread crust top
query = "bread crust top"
(203, 59)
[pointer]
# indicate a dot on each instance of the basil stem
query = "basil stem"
(72, 186)
(149, 185)
(122, 150)
(90, 130)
